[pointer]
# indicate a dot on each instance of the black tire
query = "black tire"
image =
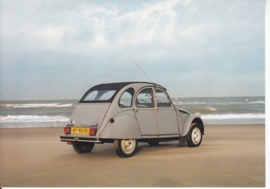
(83, 147)
(195, 135)
(153, 143)
(125, 148)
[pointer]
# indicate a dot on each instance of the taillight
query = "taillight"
(69, 142)
(66, 130)
(92, 131)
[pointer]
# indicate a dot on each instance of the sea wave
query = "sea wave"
(37, 105)
(257, 102)
(220, 103)
(32, 118)
(210, 109)
(239, 103)
(243, 103)
(233, 116)
(189, 103)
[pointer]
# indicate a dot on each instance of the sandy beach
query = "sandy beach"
(229, 156)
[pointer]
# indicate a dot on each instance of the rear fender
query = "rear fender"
(122, 126)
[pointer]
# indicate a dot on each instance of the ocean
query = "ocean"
(55, 113)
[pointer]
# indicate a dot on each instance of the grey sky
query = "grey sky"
(58, 49)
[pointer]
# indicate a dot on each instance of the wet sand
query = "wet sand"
(229, 156)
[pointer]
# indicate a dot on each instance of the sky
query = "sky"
(195, 48)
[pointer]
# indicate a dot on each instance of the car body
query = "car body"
(127, 113)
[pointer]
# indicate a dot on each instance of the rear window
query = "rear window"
(103, 92)
(98, 95)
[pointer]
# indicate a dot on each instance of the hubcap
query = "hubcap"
(196, 135)
(128, 146)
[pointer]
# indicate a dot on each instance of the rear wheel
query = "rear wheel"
(125, 148)
(83, 147)
(195, 135)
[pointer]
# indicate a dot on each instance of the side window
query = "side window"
(106, 95)
(162, 99)
(99, 95)
(145, 99)
(126, 98)
(91, 96)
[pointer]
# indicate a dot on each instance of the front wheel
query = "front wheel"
(83, 147)
(195, 135)
(125, 148)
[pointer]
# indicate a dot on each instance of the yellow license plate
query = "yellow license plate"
(79, 130)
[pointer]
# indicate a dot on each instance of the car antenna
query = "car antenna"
(143, 71)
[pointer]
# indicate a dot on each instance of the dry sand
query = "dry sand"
(231, 155)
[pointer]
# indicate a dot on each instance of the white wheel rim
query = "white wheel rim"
(128, 146)
(196, 135)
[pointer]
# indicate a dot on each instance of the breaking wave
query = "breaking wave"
(37, 105)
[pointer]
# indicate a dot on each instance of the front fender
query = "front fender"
(189, 120)
(122, 126)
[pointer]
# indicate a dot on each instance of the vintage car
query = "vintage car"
(127, 113)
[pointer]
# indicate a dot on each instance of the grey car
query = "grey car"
(127, 113)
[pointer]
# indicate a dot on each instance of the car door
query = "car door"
(166, 114)
(146, 113)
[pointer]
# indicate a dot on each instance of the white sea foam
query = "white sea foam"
(37, 105)
(233, 116)
(32, 118)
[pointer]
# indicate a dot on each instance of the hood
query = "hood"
(183, 111)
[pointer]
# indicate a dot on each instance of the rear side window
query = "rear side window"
(99, 95)
(126, 98)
